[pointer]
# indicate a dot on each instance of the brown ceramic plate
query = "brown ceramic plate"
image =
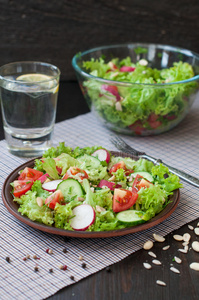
(13, 209)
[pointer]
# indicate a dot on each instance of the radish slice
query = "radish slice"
(84, 216)
(109, 184)
(127, 69)
(51, 186)
(112, 89)
(43, 177)
(102, 155)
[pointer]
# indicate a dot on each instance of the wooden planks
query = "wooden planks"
(53, 31)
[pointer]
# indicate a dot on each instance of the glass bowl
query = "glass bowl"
(155, 102)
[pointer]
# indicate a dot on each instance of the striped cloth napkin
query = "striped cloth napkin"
(18, 277)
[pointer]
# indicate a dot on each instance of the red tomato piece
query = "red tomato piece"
(143, 183)
(137, 127)
(153, 121)
(117, 166)
(136, 181)
(123, 199)
(53, 199)
(29, 173)
(76, 171)
(22, 186)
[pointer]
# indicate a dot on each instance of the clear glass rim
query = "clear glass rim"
(52, 77)
(133, 45)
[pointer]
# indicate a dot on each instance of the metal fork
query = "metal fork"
(121, 145)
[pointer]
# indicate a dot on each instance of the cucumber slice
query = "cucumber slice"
(91, 161)
(71, 189)
(146, 175)
(129, 217)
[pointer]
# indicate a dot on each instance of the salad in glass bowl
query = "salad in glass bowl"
(138, 89)
(91, 189)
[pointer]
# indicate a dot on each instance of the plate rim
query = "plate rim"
(11, 207)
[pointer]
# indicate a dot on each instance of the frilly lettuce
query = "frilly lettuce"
(63, 214)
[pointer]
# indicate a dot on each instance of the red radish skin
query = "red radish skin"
(111, 185)
(51, 186)
(102, 155)
(127, 69)
(43, 177)
(84, 216)
(112, 89)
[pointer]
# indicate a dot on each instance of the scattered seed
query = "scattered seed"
(152, 254)
(65, 250)
(196, 230)
(147, 266)
(166, 247)
(177, 259)
(194, 266)
(148, 245)
(83, 265)
(51, 270)
(195, 246)
(158, 238)
(178, 237)
(47, 250)
(35, 256)
(27, 256)
(198, 224)
(24, 258)
(72, 277)
(36, 269)
(64, 267)
(190, 227)
(174, 270)
(185, 243)
(80, 257)
(186, 237)
(61, 267)
(160, 282)
(8, 259)
(40, 201)
(156, 262)
(186, 248)
(108, 269)
(182, 250)
(50, 251)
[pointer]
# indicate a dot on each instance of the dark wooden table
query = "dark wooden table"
(128, 279)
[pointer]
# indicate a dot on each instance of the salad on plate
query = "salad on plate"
(90, 189)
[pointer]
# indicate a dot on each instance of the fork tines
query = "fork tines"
(121, 145)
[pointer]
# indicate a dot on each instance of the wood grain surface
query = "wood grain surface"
(53, 31)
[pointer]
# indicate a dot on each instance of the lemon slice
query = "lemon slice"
(44, 81)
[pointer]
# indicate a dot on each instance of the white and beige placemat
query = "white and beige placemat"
(18, 280)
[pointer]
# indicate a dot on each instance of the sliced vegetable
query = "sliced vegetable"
(22, 186)
(53, 199)
(102, 155)
(84, 216)
(123, 199)
(130, 217)
(29, 173)
(51, 186)
(71, 189)
(77, 172)
(43, 177)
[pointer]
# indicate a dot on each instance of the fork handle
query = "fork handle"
(184, 176)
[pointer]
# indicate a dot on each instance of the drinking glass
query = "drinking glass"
(28, 93)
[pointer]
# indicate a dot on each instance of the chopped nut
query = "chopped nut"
(40, 201)
(159, 282)
(50, 251)
(177, 259)
(183, 250)
(156, 262)
(148, 245)
(27, 256)
(61, 267)
(118, 106)
(152, 254)
(80, 257)
(196, 230)
(186, 237)
(174, 270)
(185, 243)
(190, 227)
(195, 246)
(178, 237)
(143, 62)
(166, 247)
(158, 238)
(194, 266)
(147, 265)
(8, 259)
(35, 256)
(99, 209)
(80, 198)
